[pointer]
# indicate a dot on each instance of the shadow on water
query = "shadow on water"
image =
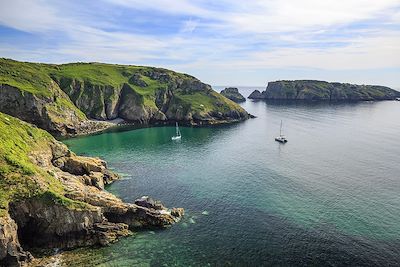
(269, 240)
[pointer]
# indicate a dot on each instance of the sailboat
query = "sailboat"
(281, 138)
(178, 133)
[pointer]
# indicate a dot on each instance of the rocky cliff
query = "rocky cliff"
(44, 186)
(233, 94)
(61, 98)
(310, 90)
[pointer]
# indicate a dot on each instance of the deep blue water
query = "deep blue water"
(329, 197)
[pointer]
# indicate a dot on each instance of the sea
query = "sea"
(330, 196)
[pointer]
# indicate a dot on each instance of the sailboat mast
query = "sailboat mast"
(280, 131)
(177, 129)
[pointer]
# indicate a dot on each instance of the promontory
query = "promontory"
(312, 90)
(78, 98)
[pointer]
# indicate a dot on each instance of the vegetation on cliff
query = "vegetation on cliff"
(321, 90)
(62, 97)
(20, 178)
(43, 186)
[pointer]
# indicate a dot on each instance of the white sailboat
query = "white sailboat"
(178, 133)
(281, 138)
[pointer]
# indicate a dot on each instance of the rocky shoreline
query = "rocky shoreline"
(52, 198)
(65, 205)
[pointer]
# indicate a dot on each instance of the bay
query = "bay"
(329, 197)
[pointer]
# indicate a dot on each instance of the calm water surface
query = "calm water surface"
(330, 196)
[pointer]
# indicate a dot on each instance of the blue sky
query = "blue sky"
(221, 42)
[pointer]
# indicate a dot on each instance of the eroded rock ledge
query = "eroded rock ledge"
(100, 218)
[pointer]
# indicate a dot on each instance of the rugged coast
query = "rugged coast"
(79, 98)
(311, 90)
(43, 185)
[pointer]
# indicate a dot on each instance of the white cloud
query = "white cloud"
(252, 35)
(271, 15)
(30, 16)
(189, 26)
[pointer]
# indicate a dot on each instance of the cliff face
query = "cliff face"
(143, 95)
(50, 197)
(320, 90)
(61, 98)
(233, 94)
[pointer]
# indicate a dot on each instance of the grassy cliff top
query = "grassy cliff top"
(90, 78)
(36, 77)
(19, 177)
(30, 77)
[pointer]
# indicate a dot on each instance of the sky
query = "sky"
(233, 43)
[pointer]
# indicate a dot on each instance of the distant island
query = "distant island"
(79, 98)
(233, 94)
(312, 90)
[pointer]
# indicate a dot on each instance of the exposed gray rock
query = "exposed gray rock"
(136, 80)
(85, 215)
(11, 252)
(256, 95)
(233, 94)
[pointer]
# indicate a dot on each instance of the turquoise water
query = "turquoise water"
(330, 196)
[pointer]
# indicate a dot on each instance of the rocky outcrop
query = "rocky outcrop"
(165, 104)
(256, 95)
(56, 199)
(54, 112)
(310, 90)
(233, 94)
(47, 224)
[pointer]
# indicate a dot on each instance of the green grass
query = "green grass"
(20, 178)
(207, 102)
(95, 78)
(29, 77)
(94, 73)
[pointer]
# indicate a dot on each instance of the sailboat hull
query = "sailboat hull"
(281, 140)
(175, 138)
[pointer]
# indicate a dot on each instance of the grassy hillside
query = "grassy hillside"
(29, 77)
(19, 177)
(106, 91)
